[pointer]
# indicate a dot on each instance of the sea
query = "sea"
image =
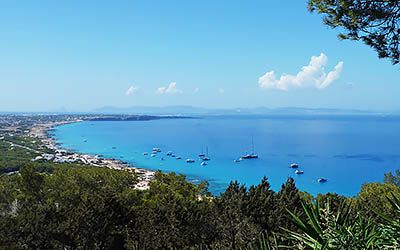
(346, 150)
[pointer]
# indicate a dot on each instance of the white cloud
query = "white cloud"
(131, 90)
(170, 89)
(221, 90)
(311, 75)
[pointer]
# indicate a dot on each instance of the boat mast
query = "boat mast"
(252, 145)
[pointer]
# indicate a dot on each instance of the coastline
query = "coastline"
(61, 155)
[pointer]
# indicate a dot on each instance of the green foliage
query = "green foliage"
(79, 208)
(391, 225)
(75, 207)
(372, 197)
(394, 179)
(173, 214)
(234, 225)
(375, 22)
(325, 229)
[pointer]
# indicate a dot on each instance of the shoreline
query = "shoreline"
(61, 155)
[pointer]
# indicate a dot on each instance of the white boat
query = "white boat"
(178, 158)
(153, 155)
(203, 163)
(298, 171)
(169, 153)
(294, 165)
(190, 160)
(145, 153)
(157, 150)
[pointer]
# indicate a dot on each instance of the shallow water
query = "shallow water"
(347, 150)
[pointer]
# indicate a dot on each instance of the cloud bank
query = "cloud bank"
(131, 90)
(312, 75)
(170, 89)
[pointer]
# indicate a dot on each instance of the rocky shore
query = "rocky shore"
(59, 155)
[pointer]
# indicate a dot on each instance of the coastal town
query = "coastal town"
(32, 133)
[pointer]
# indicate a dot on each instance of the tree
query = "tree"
(375, 22)
(234, 227)
(393, 178)
(175, 215)
(373, 198)
(261, 205)
(288, 198)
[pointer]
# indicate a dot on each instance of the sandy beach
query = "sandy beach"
(60, 155)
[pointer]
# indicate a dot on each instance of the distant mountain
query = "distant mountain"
(190, 110)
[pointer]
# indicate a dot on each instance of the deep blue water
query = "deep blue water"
(347, 150)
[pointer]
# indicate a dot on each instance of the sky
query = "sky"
(83, 55)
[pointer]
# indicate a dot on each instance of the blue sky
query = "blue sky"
(81, 55)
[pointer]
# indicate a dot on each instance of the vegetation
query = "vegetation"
(375, 22)
(98, 208)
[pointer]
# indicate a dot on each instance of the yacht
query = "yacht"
(252, 155)
(298, 171)
(190, 161)
(249, 156)
(158, 150)
(169, 153)
(203, 163)
(153, 155)
(322, 180)
(294, 165)
(205, 157)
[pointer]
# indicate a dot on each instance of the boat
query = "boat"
(298, 171)
(294, 165)
(145, 153)
(236, 160)
(178, 158)
(173, 155)
(190, 160)
(203, 163)
(322, 180)
(153, 155)
(114, 147)
(252, 155)
(162, 158)
(205, 156)
(249, 156)
(158, 150)
(169, 153)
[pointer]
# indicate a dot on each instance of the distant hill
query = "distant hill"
(190, 110)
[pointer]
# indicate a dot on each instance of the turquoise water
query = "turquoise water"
(347, 150)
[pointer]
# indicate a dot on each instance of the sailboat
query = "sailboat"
(252, 155)
(205, 157)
